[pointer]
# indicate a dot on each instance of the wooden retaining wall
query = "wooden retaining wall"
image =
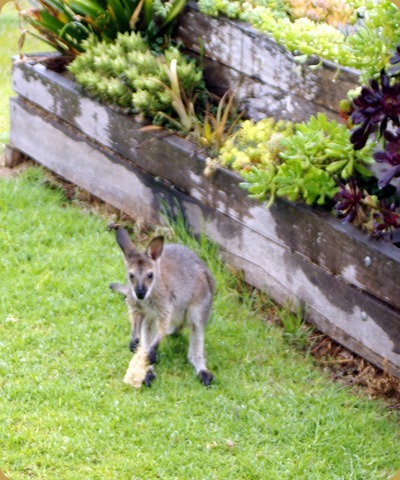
(347, 281)
(266, 78)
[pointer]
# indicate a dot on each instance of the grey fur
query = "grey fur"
(168, 288)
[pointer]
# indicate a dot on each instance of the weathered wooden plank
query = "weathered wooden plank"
(75, 159)
(365, 263)
(60, 96)
(342, 331)
(349, 315)
(267, 70)
(257, 98)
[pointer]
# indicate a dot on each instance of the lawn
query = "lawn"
(66, 413)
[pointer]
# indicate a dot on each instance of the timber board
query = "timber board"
(353, 317)
(340, 249)
(266, 78)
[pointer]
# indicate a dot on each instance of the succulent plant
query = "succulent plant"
(376, 105)
(254, 143)
(303, 164)
(333, 12)
(391, 156)
(355, 205)
(320, 28)
(128, 74)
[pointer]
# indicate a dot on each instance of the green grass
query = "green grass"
(9, 36)
(66, 414)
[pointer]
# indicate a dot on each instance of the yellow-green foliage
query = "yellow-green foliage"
(333, 12)
(255, 143)
(366, 46)
(128, 74)
(298, 162)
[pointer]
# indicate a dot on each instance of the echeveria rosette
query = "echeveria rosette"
(358, 207)
(390, 155)
(386, 220)
(348, 200)
(373, 108)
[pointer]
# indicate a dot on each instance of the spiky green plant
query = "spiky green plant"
(218, 124)
(160, 87)
(182, 105)
(65, 24)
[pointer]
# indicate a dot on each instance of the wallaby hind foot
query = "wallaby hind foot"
(205, 377)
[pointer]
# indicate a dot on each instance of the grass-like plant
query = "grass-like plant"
(218, 124)
(295, 329)
(183, 105)
(65, 24)
(65, 412)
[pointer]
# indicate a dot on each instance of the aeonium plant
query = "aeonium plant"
(355, 205)
(375, 113)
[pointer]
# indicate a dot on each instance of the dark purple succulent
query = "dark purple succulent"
(348, 200)
(386, 220)
(395, 60)
(373, 108)
(390, 155)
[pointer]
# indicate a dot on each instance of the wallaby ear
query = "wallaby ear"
(155, 248)
(124, 242)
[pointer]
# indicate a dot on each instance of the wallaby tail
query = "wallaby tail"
(210, 281)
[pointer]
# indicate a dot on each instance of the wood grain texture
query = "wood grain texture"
(363, 262)
(264, 75)
(280, 250)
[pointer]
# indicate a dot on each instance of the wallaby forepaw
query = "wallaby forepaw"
(205, 377)
(152, 356)
(150, 376)
(120, 288)
(133, 344)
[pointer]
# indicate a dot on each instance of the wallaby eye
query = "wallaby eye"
(131, 275)
(150, 275)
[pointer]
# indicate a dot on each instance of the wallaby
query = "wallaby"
(167, 288)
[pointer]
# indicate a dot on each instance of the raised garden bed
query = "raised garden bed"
(265, 77)
(347, 281)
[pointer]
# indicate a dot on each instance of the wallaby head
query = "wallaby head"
(142, 268)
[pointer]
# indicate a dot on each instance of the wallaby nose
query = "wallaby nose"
(140, 292)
